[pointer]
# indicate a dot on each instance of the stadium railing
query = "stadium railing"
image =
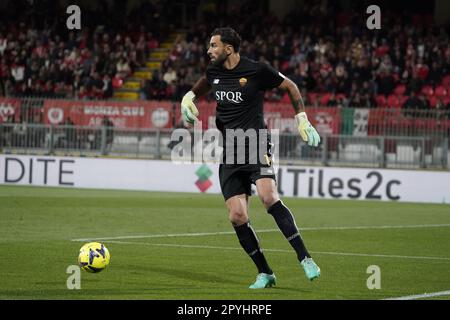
(335, 150)
(382, 137)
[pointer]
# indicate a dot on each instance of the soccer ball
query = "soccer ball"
(93, 257)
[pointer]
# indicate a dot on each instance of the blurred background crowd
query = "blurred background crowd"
(326, 50)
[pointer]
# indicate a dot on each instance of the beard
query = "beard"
(220, 59)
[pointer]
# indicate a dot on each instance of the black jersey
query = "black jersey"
(239, 93)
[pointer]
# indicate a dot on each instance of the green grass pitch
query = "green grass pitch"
(409, 242)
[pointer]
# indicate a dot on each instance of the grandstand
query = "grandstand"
(387, 90)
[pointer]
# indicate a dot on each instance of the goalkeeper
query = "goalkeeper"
(238, 85)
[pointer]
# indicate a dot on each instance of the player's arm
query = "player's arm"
(201, 87)
(307, 131)
(189, 111)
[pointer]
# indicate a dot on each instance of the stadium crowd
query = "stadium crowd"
(332, 56)
(42, 58)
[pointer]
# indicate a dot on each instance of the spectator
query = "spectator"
(107, 88)
(356, 101)
(123, 68)
(335, 56)
(332, 102)
(413, 103)
(170, 76)
(109, 125)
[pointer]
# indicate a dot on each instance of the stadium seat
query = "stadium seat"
(440, 91)
(433, 101)
(285, 98)
(402, 99)
(399, 126)
(446, 82)
(427, 90)
(312, 97)
(340, 96)
(424, 125)
(380, 99)
(325, 98)
(400, 89)
(393, 101)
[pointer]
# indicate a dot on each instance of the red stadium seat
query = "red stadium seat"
(433, 101)
(312, 96)
(400, 89)
(440, 91)
(340, 96)
(393, 101)
(325, 98)
(380, 99)
(446, 81)
(285, 98)
(398, 125)
(425, 125)
(427, 90)
(402, 99)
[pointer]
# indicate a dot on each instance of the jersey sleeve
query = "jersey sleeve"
(269, 78)
(208, 74)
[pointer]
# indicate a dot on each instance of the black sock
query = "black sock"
(286, 223)
(249, 241)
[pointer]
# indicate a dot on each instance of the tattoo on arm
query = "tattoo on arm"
(298, 104)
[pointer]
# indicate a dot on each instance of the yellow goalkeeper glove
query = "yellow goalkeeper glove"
(189, 111)
(307, 131)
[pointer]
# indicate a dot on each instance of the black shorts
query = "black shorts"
(237, 179)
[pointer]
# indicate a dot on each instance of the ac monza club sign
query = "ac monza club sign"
(9, 107)
(126, 115)
(159, 114)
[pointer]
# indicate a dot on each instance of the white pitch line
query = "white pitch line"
(280, 250)
(422, 296)
(197, 234)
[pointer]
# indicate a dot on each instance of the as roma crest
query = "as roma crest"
(243, 81)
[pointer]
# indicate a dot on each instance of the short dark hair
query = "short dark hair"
(228, 35)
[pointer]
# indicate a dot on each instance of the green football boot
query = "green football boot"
(264, 280)
(312, 270)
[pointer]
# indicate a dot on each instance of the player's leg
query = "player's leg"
(238, 215)
(236, 190)
(268, 194)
